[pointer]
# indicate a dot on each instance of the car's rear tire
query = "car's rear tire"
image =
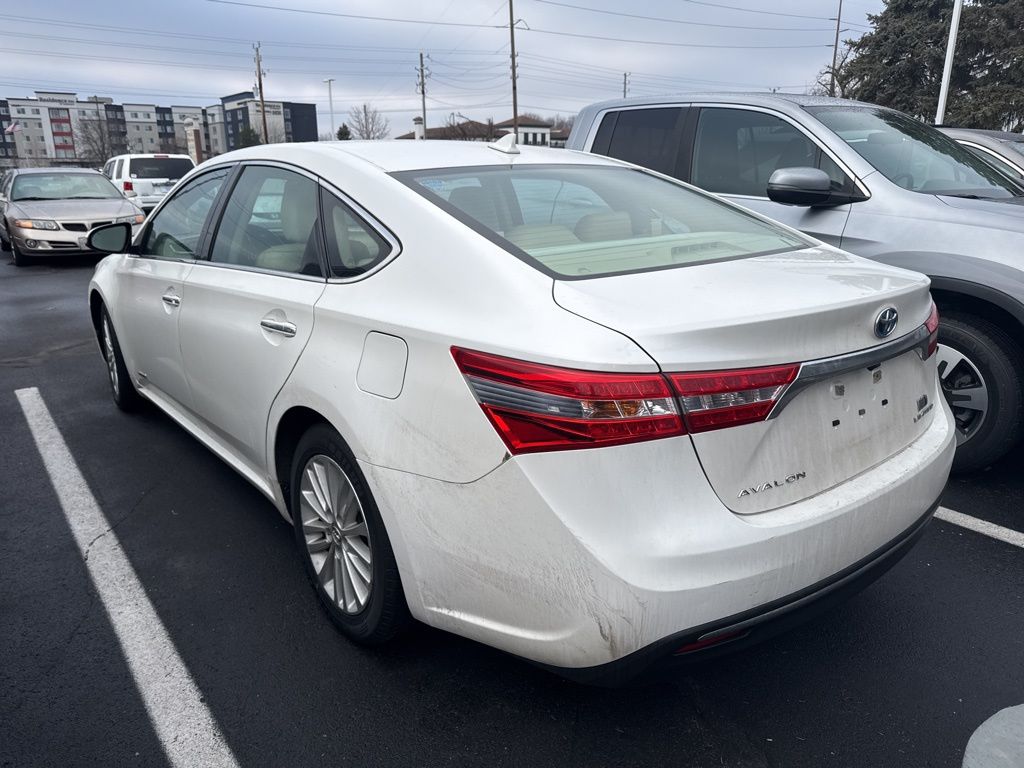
(5, 244)
(122, 388)
(981, 370)
(342, 540)
(18, 258)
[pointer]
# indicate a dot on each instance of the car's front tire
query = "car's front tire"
(342, 541)
(18, 258)
(122, 389)
(981, 370)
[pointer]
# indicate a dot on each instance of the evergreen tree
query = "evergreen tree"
(344, 134)
(899, 64)
(247, 137)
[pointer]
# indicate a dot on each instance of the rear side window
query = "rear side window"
(118, 169)
(353, 246)
(172, 168)
(175, 229)
(647, 137)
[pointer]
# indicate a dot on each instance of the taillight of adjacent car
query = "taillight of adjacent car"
(932, 324)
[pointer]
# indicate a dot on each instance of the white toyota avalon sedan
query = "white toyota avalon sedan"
(550, 401)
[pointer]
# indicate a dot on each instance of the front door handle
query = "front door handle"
(171, 300)
(282, 327)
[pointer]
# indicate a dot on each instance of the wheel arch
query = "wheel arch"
(995, 306)
(290, 428)
(96, 305)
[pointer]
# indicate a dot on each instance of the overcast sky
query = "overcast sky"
(192, 52)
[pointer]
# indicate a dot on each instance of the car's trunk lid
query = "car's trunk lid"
(815, 307)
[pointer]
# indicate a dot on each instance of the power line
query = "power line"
(654, 42)
(357, 15)
(681, 21)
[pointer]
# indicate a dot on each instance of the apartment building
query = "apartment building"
(58, 128)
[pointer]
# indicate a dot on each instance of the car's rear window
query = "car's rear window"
(159, 167)
(580, 221)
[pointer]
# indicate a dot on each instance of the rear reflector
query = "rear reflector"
(729, 398)
(538, 407)
(710, 641)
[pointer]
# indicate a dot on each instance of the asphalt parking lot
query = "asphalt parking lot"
(902, 675)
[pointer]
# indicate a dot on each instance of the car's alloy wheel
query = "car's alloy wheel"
(121, 387)
(342, 540)
(336, 535)
(980, 371)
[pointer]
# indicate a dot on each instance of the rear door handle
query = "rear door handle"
(282, 327)
(171, 300)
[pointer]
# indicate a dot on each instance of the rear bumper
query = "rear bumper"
(742, 630)
(583, 560)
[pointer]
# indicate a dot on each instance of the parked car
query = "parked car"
(50, 211)
(879, 184)
(546, 400)
(147, 178)
(1002, 149)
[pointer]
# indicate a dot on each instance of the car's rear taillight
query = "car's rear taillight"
(720, 399)
(932, 324)
(128, 186)
(538, 407)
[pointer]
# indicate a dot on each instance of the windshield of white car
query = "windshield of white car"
(585, 221)
(913, 155)
(62, 186)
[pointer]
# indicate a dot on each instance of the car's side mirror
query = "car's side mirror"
(110, 238)
(800, 186)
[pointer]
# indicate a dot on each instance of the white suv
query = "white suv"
(145, 179)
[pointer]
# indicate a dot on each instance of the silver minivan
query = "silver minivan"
(872, 181)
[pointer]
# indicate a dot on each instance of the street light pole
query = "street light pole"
(947, 70)
(330, 100)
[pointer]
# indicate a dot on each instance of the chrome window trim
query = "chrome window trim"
(815, 371)
(258, 270)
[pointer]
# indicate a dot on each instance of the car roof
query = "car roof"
(750, 98)
(393, 156)
(150, 154)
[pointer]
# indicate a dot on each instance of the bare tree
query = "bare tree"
(560, 123)
(92, 138)
(845, 80)
(368, 123)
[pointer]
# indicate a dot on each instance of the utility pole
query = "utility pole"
(515, 101)
(947, 70)
(259, 84)
(423, 96)
(835, 51)
(330, 101)
(625, 84)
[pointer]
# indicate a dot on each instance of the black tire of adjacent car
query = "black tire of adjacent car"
(1001, 364)
(124, 393)
(5, 245)
(18, 258)
(385, 613)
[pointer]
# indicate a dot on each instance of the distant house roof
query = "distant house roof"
(524, 122)
(468, 130)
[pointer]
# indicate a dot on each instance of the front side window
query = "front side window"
(582, 221)
(63, 186)
(913, 155)
(174, 231)
(736, 151)
(269, 222)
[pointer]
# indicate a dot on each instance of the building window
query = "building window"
(35, 111)
(134, 114)
(149, 128)
(20, 110)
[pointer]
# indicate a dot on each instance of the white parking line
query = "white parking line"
(992, 530)
(186, 728)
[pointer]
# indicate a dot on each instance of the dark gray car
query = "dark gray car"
(872, 181)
